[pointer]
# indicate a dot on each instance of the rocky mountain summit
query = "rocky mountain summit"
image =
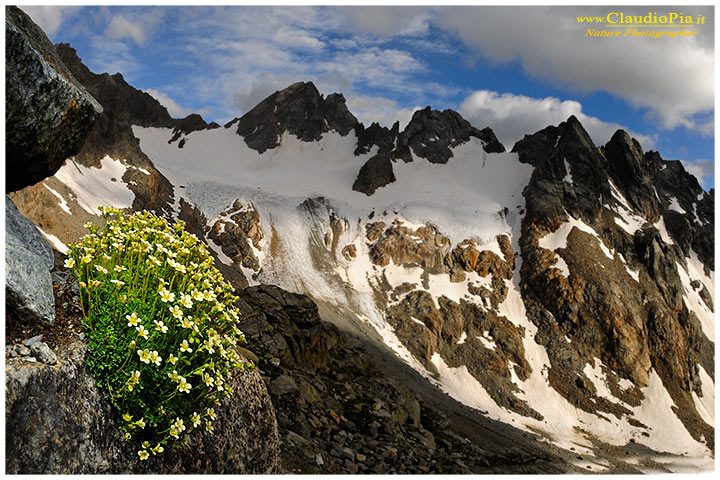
(622, 301)
(423, 300)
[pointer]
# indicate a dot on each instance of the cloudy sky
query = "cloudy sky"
(515, 69)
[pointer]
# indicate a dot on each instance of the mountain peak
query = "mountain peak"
(299, 109)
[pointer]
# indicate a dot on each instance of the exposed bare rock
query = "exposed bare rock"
(28, 261)
(48, 113)
(300, 110)
(403, 246)
(236, 231)
(630, 325)
(59, 423)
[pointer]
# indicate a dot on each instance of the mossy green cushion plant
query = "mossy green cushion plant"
(160, 325)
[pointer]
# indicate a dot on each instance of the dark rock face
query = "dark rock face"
(432, 133)
(375, 173)
(299, 110)
(28, 261)
(48, 113)
(57, 422)
(631, 325)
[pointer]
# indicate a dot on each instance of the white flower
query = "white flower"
(100, 269)
(179, 424)
(183, 385)
(185, 347)
(198, 296)
(119, 283)
(176, 311)
(143, 454)
(167, 296)
(69, 263)
(174, 376)
(211, 413)
(119, 268)
(155, 358)
(142, 332)
(186, 300)
(195, 419)
(160, 326)
(144, 355)
(132, 319)
(172, 359)
(209, 295)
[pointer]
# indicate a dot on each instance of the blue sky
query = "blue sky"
(515, 69)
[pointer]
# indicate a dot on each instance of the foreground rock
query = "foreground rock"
(48, 113)
(28, 261)
(57, 422)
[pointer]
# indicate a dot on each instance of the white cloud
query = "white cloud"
(386, 21)
(703, 169)
(384, 111)
(48, 17)
(136, 24)
(173, 108)
(513, 116)
(673, 78)
(121, 28)
(375, 67)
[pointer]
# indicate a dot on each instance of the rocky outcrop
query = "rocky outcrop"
(28, 261)
(124, 106)
(299, 110)
(48, 113)
(237, 230)
(631, 324)
(432, 134)
(375, 173)
(424, 247)
(58, 422)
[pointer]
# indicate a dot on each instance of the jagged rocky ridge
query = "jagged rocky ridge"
(607, 336)
(301, 111)
(632, 325)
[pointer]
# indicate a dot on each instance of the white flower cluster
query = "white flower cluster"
(150, 292)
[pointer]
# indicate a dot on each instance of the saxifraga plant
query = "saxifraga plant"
(160, 325)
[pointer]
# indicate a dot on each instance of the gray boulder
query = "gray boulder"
(28, 261)
(48, 113)
(43, 353)
(57, 422)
